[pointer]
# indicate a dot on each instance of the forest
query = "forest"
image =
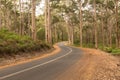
(84, 23)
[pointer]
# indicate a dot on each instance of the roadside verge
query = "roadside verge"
(28, 58)
(93, 65)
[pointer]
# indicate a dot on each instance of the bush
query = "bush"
(116, 51)
(108, 49)
(11, 43)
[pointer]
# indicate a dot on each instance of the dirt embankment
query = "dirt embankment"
(94, 65)
(26, 57)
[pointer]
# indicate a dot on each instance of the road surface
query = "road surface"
(43, 69)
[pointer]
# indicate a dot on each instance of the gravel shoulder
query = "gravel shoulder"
(94, 65)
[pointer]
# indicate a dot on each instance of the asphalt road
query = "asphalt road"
(43, 69)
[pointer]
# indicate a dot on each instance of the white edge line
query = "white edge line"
(36, 65)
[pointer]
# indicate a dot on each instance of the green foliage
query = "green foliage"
(111, 5)
(114, 51)
(108, 49)
(41, 34)
(97, 1)
(11, 43)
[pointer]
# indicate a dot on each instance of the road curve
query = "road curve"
(43, 69)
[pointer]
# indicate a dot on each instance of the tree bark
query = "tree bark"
(0, 16)
(15, 17)
(103, 40)
(49, 24)
(22, 19)
(56, 34)
(29, 19)
(117, 28)
(48, 33)
(80, 4)
(20, 27)
(33, 20)
(72, 34)
(95, 25)
(68, 32)
(46, 24)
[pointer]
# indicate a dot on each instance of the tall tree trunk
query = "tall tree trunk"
(0, 21)
(48, 35)
(95, 25)
(0, 16)
(49, 23)
(7, 15)
(102, 28)
(33, 20)
(68, 32)
(22, 19)
(29, 19)
(46, 20)
(103, 40)
(72, 35)
(56, 34)
(20, 27)
(117, 28)
(80, 4)
(110, 36)
(15, 17)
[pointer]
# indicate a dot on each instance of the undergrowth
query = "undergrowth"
(12, 43)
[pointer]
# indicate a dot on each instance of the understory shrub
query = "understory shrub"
(12, 43)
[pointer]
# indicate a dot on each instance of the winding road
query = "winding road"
(48, 68)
